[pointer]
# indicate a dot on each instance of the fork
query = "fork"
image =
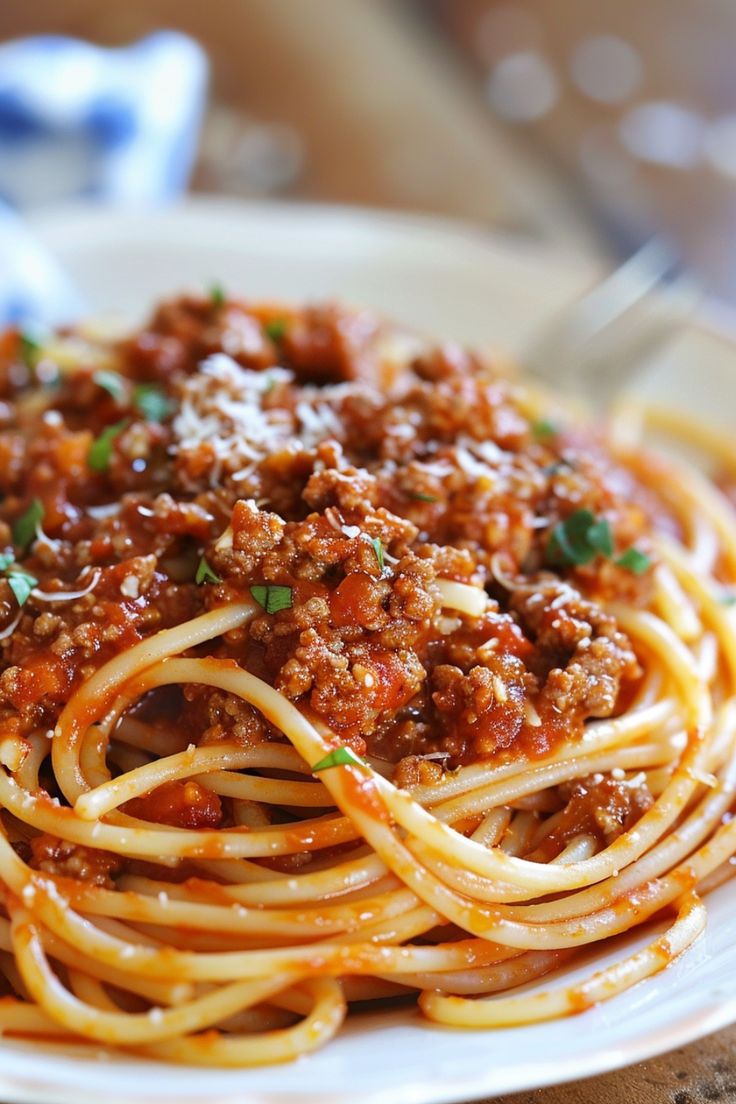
(594, 347)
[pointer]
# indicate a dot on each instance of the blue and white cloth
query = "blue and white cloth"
(80, 122)
(33, 286)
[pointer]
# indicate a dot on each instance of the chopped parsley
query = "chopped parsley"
(419, 496)
(148, 398)
(205, 574)
(100, 451)
(579, 539)
(543, 429)
(152, 402)
(275, 329)
(217, 295)
(24, 529)
(113, 383)
(378, 549)
(601, 539)
(340, 757)
(20, 582)
(635, 561)
(272, 599)
(728, 599)
(31, 346)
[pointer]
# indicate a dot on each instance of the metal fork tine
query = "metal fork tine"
(597, 344)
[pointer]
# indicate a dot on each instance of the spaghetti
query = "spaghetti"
(337, 669)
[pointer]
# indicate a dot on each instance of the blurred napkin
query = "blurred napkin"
(81, 122)
(33, 286)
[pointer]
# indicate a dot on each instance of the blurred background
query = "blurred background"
(585, 123)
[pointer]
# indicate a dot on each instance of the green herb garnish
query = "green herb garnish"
(543, 429)
(340, 757)
(273, 599)
(275, 329)
(579, 539)
(217, 295)
(635, 561)
(24, 529)
(419, 496)
(728, 599)
(152, 402)
(100, 451)
(378, 549)
(31, 346)
(205, 574)
(21, 583)
(113, 383)
(601, 539)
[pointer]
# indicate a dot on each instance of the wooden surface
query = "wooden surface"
(702, 1073)
(388, 118)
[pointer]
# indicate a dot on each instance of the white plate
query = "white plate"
(453, 282)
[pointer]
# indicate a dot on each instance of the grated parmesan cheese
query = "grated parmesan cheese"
(130, 586)
(222, 407)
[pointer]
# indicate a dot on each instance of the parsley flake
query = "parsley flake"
(543, 429)
(601, 539)
(205, 574)
(728, 599)
(217, 295)
(24, 529)
(275, 329)
(272, 599)
(378, 549)
(152, 402)
(31, 346)
(635, 561)
(113, 383)
(340, 757)
(579, 539)
(419, 496)
(21, 583)
(100, 451)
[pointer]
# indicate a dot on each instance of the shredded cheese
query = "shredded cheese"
(222, 407)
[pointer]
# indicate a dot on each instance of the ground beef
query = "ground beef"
(582, 656)
(71, 860)
(213, 716)
(355, 468)
(600, 806)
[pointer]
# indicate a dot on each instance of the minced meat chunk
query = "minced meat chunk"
(72, 860)
(581, 655)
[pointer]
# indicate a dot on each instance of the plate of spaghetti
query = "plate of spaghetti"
(367, 711)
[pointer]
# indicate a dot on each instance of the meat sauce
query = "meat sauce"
(324, 457)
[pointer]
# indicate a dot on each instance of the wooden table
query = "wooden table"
(702, 1073)
(388, 118)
